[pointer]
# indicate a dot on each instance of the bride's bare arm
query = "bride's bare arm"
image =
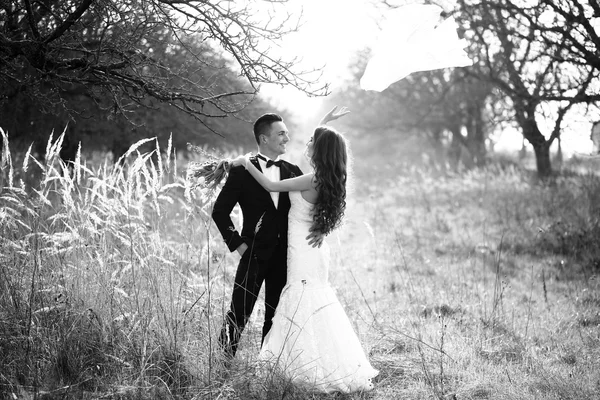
(304, 182)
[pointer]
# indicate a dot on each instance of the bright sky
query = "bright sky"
(332, 33)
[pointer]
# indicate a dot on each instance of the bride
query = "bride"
(312, 340)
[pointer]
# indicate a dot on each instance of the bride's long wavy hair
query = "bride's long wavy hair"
(330, 162)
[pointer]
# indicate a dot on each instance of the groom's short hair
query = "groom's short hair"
(262, 124)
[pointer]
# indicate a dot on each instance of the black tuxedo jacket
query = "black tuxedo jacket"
(264, 225)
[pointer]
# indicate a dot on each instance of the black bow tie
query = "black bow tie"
(270, 163)
(275, 163)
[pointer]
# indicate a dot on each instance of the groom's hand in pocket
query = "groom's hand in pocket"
(315, 238)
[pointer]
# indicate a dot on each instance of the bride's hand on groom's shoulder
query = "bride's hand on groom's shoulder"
(240, 160)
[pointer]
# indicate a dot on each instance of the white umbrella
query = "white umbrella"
(413, 38)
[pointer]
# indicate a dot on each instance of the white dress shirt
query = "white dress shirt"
(273, 174)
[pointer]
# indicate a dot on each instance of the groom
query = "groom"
(262, 244)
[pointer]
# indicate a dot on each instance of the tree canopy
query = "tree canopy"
(123, 51)
(194, 65)
(543, 55)
(536, 62)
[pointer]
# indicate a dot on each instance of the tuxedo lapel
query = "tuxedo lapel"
(284, 200)
(254, 160)
(265, 193)
(284, 172)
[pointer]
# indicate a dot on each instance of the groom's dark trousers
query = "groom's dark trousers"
(264, 230)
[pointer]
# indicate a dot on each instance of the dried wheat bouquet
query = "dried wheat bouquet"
(208, 174)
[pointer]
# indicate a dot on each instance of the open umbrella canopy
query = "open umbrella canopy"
(413, 38)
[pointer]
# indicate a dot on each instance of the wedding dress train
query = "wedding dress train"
(312, 340)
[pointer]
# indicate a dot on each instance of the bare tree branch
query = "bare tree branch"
(69, 22)
(167, 50)
(538, 54)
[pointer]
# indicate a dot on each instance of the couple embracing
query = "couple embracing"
(286, 214)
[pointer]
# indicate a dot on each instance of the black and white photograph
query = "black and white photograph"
(300, 199)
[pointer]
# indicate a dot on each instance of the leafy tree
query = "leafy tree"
(447, 103)
(90, 122)
(527, 50)
(100, 63)
(119, 48)
(448, 108)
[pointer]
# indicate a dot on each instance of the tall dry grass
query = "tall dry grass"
(474, 292)
(110, 278)
(113, 284)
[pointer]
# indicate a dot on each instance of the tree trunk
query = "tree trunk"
(476, 140)
(455, 152)
(440, 159)
(542, 160)
(478, 151)
(476, 136)
(558, 160)
(541, 148)
(523, 151)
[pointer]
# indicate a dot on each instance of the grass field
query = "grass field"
(114, 281)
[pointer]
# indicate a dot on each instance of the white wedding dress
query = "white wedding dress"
(312, 341)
